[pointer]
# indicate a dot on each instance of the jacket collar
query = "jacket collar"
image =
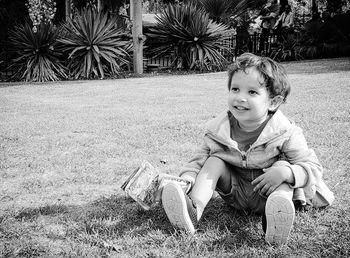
(219, 127)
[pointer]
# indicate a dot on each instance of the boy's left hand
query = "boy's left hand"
(271, 179)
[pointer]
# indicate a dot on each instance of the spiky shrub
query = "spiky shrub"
(35, 54)
(188, 34)
(94, 45)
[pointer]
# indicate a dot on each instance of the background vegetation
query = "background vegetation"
(196, 45)
(190, 37)
(95, 46)
(67, 147)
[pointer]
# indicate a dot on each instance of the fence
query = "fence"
(235, 46)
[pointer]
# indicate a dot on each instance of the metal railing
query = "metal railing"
(5, 71)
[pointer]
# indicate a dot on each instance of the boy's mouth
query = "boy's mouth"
(240, 108)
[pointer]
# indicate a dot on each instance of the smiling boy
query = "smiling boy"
(252, 155)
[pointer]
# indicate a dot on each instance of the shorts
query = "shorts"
(242, 196)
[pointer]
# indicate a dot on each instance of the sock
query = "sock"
(200, 208)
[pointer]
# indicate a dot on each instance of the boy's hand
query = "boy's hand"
(273, 178)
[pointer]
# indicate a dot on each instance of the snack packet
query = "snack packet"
(146, 183)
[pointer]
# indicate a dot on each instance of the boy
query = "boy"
(252, 155)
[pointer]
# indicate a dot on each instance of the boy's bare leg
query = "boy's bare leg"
(185, 211)
(214, 172)
(280, 215)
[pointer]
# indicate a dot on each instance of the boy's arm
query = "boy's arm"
(299, 169)
(303, 161)
(192, 168)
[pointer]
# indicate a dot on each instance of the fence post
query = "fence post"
(254, 44)
(138, 38)
(68, 10)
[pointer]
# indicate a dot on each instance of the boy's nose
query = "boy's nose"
(242, 99)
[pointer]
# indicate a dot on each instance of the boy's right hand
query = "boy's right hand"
(272, 178)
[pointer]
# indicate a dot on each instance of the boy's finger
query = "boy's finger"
(257, 180)
(258, 187)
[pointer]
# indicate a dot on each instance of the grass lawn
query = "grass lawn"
(66, 147)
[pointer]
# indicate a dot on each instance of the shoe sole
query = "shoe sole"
(174, 204)
(280, 215)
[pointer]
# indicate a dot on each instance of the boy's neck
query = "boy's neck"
(250, 127)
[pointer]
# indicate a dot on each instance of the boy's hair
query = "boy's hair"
(275, 76)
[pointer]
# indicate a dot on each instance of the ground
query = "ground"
(66, 148)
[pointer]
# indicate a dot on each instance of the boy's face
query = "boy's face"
(249, 100)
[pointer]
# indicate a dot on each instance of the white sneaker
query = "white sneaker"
(280, 213)
(179, 208)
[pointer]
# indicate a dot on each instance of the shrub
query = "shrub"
(186, 33)
(326, 39)
(287, 50)
(95, 46)
(35, 54)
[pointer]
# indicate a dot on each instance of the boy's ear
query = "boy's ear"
(276, 102)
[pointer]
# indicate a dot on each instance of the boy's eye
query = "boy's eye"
(234, 89)
(253, 92)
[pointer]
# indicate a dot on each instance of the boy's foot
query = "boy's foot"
(280, 213)
(179, 208)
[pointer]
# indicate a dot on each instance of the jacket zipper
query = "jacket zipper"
(243, 153)
(244, 159)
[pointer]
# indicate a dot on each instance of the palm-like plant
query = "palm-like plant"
(95, 46)
(188, 34)
(35, 54)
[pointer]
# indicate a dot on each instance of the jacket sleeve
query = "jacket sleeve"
(192, 168)
(304, 163)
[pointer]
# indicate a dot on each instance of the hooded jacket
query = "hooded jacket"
(281, 139)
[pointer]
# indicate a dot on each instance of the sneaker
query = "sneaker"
(179, 208)
(280, 213)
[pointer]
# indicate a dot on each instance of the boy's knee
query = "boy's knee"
(215, 164)
(216, 168)
(285, 190)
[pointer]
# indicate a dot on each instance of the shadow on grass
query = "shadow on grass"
(31, 214)
(117, 223)
(120, 216)
(236, 228)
